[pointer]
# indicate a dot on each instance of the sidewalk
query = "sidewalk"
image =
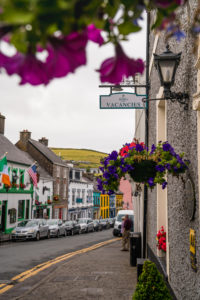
(104, 273)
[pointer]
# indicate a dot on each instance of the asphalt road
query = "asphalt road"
(16, 257)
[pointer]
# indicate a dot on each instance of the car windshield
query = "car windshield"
(119, 217)
(68, 223)
(52, 222)
(82, 221)
(28, 223)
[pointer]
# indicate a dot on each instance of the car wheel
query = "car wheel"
(79, 231)
(37, 236)
(48, 235)
(58, 234)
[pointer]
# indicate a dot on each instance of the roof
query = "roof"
(14, 154)
(48, 153)
(40, 170)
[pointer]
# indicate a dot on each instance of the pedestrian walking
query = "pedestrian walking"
(125, 229)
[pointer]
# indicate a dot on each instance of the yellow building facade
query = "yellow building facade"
(119, 202)
(104, 206)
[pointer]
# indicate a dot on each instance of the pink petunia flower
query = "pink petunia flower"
(66, 54)
(28, 67)
(115, 68)
(94, 34)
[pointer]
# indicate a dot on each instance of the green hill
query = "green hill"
(82, 158)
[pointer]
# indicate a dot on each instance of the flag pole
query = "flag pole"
(3, 155)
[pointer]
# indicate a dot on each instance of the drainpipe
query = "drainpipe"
(146, 132)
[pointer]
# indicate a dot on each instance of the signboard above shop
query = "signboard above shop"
(122, 101)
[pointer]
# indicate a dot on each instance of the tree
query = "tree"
(62, 28)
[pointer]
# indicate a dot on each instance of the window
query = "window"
(77, 175)
(27, 209)
(58, 171)
(64, 173)
(21, 206)
(64, 190)
(73, 196)
(83, 195)
(70, 174)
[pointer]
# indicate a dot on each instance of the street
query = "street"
(17, 257)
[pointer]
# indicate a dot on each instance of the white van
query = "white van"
(118, 221)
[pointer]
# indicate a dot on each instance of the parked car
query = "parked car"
(111, 222)
(31, 229)
(83, 225)
(105, 224)
(72, 227)
(86, 224)
(97, 225)
(56, 227)
(118, 221)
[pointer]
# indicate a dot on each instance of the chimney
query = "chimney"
(2, 124)
(25, 135)
(44, 141)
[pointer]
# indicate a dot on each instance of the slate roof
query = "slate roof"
(48, 153)
(43, 173)
(14, 154)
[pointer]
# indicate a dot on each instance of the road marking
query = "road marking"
(6, 288)
(2, 284)
(31, 272)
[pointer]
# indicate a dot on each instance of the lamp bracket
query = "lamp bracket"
(182, 98)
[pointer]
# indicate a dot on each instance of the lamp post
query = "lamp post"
(166, 64)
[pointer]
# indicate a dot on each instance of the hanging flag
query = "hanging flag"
(4, 171)
(33, 174)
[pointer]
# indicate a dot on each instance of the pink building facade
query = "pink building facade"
(125, 188)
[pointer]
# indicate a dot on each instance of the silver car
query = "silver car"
(56, 227)
(31, 229)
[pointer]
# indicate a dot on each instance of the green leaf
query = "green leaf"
(128, 27)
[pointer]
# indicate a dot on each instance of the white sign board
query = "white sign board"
(122, 101)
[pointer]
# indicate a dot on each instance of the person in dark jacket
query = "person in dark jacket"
(127, 224)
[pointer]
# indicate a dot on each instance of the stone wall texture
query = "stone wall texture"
(182, 134)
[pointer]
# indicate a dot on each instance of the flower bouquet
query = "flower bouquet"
(161, 239)
(143, 166)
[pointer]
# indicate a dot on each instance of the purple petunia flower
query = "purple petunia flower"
(112, 169)
(139, 148)
(160, 168)
(166, 147)
(164, 184)
(113, 155)
(94, 34)
(66, 54)
(28, 67)
(151, 182)
(168, 166)
(114, 69)
(106, 175)
(153, 148)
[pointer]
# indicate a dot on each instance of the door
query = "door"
(60, 213)
(3, 216)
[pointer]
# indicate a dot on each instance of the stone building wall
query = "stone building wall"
(182, 134)
(40, 158)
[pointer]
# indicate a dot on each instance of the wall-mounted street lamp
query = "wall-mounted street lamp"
(166, 64)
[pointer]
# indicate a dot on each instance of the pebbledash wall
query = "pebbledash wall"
(179, 128)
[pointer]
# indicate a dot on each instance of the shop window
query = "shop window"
(12, 212)
(21, 206)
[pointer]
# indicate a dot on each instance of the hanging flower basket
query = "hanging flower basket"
(143, 170)
(144, 166)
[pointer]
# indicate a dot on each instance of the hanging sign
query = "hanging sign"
(193, 260)
(122, 101)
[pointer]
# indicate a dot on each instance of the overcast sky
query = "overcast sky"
(67, 110)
